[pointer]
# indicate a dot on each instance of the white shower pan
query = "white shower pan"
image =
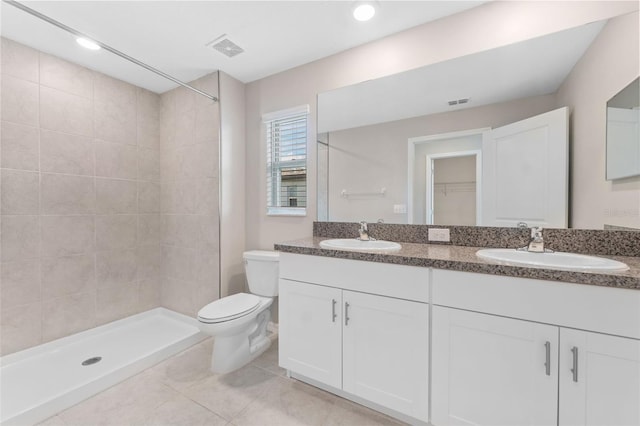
(39, 382)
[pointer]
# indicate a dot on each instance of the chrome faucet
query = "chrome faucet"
(536, 245)
(364, 232)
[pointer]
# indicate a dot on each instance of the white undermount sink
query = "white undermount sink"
(555, 260)
(358, 245)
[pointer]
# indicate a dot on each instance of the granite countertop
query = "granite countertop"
(463, 258)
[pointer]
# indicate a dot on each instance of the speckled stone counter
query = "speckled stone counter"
(463, 258)
(586, 241)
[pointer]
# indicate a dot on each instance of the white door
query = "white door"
(605, 389)
(525, 170)
(310, 335)
(386, 352)
(490, 370)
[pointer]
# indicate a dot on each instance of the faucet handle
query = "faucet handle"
(536, 232)
(364, 232)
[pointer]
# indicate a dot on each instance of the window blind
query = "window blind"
(286, 138)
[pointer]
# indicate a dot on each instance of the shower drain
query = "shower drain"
(92, 361)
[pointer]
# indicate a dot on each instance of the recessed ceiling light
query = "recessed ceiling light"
(364, 11)
(88, 44)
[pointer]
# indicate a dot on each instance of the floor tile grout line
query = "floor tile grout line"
(205, 407)
(192, 385)
(253, 401)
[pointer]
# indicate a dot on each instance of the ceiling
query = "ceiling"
(173, 35)
(529, 68)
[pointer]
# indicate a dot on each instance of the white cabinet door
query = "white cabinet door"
(605, 389)
(311, 331)
(386, 352)
(490, 370)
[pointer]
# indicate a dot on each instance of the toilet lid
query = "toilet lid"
(229, 307)
(262, 255)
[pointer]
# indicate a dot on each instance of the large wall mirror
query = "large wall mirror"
(413, 147)
(623, 133)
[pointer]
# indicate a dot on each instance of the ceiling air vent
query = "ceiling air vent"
(459, 101)
(223, 45)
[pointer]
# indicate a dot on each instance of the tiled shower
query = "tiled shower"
(189, 133)
(109, 198)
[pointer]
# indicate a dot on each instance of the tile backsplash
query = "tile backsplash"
(586, 241)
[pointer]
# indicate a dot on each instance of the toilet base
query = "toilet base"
(235, 351)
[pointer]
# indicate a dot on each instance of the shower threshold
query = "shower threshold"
(39, 382)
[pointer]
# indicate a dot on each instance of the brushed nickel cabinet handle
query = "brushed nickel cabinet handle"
(346, 313)
(547, 362)
(333, 310)
(574, 370)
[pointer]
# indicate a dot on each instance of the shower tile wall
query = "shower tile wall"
(80, 198)
(189, 139)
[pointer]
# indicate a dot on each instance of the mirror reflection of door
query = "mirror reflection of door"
(526, 170)
(453, 188)
(521, 173)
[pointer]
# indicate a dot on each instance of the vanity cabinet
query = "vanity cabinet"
(310, 335)
(524, 362)
(338, 332)
(385, 351)
(481, 349)
(489, 370)
(599, 379)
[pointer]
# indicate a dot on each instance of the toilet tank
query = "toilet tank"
(261, 267)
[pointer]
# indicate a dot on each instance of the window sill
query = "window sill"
(286, 211)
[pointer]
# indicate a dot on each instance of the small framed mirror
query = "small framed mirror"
(623, 133)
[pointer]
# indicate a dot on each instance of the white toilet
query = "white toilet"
(239, 322)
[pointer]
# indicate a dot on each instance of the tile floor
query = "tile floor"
(182, 391)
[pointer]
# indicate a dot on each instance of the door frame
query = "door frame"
(414, 142)
(477, 153)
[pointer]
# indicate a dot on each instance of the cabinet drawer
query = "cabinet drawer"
(601, 309)
(402, 282)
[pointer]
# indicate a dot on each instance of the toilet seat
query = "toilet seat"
(229, 308)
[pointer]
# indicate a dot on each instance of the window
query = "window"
(286, 136)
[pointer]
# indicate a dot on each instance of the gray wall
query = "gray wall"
(593, 81)
(232, 185)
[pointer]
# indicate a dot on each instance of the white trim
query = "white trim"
(429, 195)
(286, 211)
(450, 135)
(276, 115)
(411, 153)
